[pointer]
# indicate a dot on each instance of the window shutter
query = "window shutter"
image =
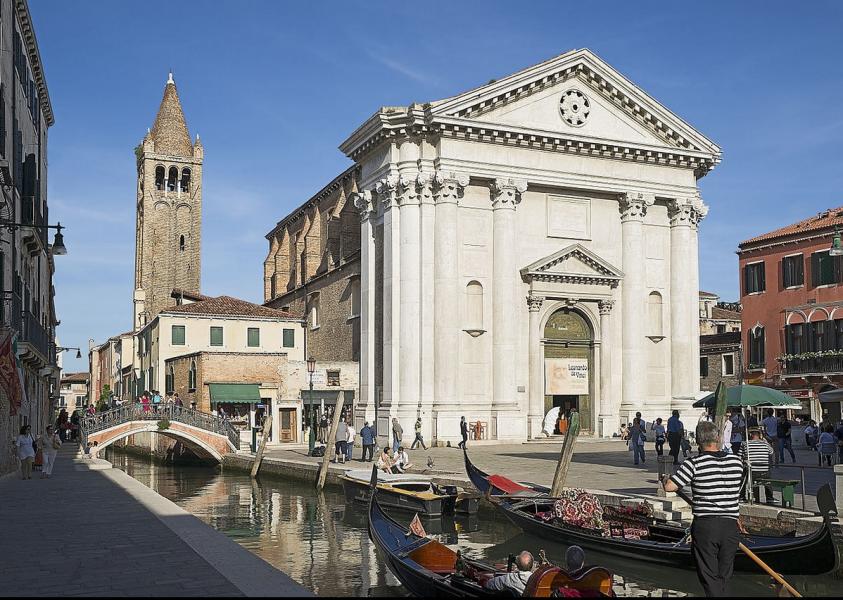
(762, 279)
(800, 270)
(761, 354)
(838, 276)
(254, 337)
(289, 338)
(786, 272)
(815, 269)
(745, 280)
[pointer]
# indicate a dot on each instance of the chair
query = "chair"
(827, 449)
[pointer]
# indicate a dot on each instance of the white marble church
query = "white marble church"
(529, 244)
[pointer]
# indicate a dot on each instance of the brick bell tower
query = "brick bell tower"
(169, 211)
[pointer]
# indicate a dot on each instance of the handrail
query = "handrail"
(158, 412)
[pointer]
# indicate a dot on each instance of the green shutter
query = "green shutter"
(216, 336)
(178, 335)
(289, 338)
(254, 337)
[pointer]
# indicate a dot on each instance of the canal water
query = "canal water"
(323, 544)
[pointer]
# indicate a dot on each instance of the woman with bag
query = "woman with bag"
(26, 451)
(661, 436)
(637, 437)
(50, 444)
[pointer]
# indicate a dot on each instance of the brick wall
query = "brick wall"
(715, 368)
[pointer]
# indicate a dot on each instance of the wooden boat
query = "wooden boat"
(427, 568)
(668, 544)
(410, 492)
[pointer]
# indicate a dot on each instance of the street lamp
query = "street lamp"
(311, 441)
(69, 348)
(836, 245)
(58, 249)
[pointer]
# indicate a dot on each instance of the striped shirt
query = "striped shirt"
(760, 455)
(715, 479)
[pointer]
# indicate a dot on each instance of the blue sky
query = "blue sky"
(274, 87)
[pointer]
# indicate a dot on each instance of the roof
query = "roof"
(75, 377)
(708, 294)
(195, 296)
(827, 219)
(170, 129)
(721, 339)
(724, 313)
(226, 306)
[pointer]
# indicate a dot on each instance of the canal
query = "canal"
(323, 544)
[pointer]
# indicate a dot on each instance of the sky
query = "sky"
(273, 87)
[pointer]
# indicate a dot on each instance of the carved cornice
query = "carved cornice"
(534, 303)
(449, 186)
(506, 192)
(634, 205)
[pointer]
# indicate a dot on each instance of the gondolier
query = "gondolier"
(715, 479)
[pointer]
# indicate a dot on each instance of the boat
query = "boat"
(427, 568)
(532, 510)
(411, 492)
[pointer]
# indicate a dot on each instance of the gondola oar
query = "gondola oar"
(754, 557)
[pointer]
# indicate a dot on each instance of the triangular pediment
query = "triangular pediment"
(573, 264)
(577, 94)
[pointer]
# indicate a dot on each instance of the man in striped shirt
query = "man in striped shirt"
(758, 454)
(715, 479)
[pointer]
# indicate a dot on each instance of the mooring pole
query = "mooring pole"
(566, 455)
(326, 458)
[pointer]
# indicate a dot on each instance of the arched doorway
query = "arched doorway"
(568, 357)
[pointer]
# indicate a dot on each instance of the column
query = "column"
(363, 202)
(608, 417)
(633, 207)
(700, 211)
(680, 212)
(535, 414)
(410, 298)
(427, 233)
(448, 188)
(506, 195)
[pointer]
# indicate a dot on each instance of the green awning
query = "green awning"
(246, 393)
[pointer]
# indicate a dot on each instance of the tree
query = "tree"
(105, 396)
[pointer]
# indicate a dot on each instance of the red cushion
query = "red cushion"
(507, 486)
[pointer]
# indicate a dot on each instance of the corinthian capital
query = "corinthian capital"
(387, 191)
(363, 203)
(408, 184)
(605, 306)
(506, 192)
(534, 303)
(448, 186)
(634, 205)
(424, 186)
(687, 212)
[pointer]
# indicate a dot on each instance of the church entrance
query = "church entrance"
(568, 357)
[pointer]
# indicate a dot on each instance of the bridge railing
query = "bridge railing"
(151, 412)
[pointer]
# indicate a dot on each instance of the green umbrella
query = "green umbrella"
(749, 395)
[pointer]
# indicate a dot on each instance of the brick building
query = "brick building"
(719, 358)
(716, 316)
(73, 392)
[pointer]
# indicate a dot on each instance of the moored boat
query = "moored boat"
(411, 492)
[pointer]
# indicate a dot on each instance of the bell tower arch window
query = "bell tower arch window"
(172, 178)
(185, 180)
(181, 243)
(159, 178)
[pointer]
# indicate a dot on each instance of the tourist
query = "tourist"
(50, 442)
(156, 400)
(811, 434)
(751, 419)
(397, 433)
(738, 429)
(726, 436)
(349, 447)
(74, 424)
(463, 432)
(91, 410)
(513, 581)
(659, 432)
(826, 437)
(367, 438)
(419, 439)
(25, 445)
(177, 401)
(642, 422)
(341, 442)
(385, 461)
(675, 434)
(715, 480)
(771, 424)
(624, 432)
(400, 460)
(783, 434)
(145, 401)
(838, 434)
(636, 440)
(575, 557)
(62, 425)
(758, 454)
(323, 427)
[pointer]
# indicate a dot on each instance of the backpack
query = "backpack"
(318, 451)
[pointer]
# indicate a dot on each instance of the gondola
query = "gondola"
(427, 568)
(411, 492)
(528, 507)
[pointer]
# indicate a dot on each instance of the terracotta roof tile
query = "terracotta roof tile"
(226, 306)
(708, 294)
(827, 219)
(75, 377)
(723, 313)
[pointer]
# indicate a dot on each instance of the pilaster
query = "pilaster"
(363, 203)
(608, 416)
(535, 414)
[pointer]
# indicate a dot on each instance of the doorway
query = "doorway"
(568, 356)
(287, 427)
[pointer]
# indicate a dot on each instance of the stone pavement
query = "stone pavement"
(92, 530)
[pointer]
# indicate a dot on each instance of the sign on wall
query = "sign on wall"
(566, 376)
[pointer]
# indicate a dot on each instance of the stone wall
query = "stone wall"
(715, 369)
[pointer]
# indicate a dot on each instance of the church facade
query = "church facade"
(529, 244)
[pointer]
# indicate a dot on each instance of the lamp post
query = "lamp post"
(58, 247)
(68, 349)
(836, 245)
(311, 441)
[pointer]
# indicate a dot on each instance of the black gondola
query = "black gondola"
(522, 504)
(427, 568)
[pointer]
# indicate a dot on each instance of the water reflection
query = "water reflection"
(324, 545)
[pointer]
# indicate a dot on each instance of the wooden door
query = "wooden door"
(287, 430)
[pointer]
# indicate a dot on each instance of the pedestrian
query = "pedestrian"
(367, 438)
(636, 440)
(463, 432)
(91, 410)
(811, 434)
(726, 439)
(771, 424)
(25, 445)
(323, 427)
(715, 480)
(61, 424)
(350, 441)
(145, 401)
(785, 443)
(758, 454)
(738, 429)
(642, 421)
(419, 439)
(751, 419)
(675, 434)
(397, 433)
(385, 461)
(826, 437)
(74, 424)
(838, 434)
(50, 444)
(156, 400)
(659, 432)
(341, 442)
(177, 400)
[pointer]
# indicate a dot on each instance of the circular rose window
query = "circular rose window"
(574, 107)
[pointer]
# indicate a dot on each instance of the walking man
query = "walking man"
(636, 440)
(397, 433)
(367, 438)
(419, 439)
(715, 478)
(675, 433)
(463, 432)
(785, 442)
(350, 443)
(341, 442)
(771, 425)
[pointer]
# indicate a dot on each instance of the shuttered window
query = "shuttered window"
(254, 337)
(703, 366)
(178, 335)
(289, 338)
(754, 278)
(793, 274)
(756, 347)
(825, 269)
(216, 336)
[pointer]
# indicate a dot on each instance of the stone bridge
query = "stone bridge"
(205, 434)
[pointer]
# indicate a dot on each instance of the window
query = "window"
(793, 274)
(654, 306)
(474, 306)
(254, 337)
(178, 335)
(185, 180)
(753, 278)
(703, 366)
(728, 364)
(825, 269)
(289, 338)
(756, 347)
(181, 243)
(721, 329)
(794, 339)
(151, 378)
(216, 336)
(172, 177)
(314, 311)
(170, 383)
(333, 378)
(355, 298)
(191, 377)
(159, 178)
(80, 401)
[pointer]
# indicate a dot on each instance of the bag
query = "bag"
(642, 439)
(56, 443)
(318, 451)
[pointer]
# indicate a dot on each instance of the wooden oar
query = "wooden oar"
(764, 566)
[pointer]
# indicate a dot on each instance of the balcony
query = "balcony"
(34, 339)
(821, 365)
(32, 216)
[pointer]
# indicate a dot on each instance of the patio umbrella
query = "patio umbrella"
(749, 395)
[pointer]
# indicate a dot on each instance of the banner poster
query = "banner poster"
(566, 376)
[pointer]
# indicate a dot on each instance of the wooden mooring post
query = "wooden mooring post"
(267, 428)
(326, 458)
(566, 455)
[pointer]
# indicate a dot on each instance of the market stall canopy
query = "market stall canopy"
(751, 395)
(244, 393)
(831, 396)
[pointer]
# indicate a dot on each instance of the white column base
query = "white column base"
(609, 425)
